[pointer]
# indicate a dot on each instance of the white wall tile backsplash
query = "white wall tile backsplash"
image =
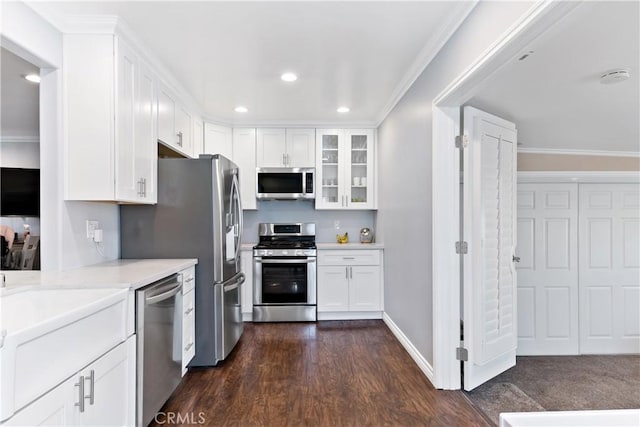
(304, 211)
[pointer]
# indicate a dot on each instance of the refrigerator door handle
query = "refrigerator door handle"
(233, 283)
(235, 190)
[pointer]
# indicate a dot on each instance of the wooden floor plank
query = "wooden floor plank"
(338, 373)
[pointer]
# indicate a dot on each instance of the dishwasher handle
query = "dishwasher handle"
(163, 290)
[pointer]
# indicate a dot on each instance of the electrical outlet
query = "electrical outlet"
(92, 226)
(336, 224)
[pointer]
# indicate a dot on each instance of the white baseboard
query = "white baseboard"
(422, 363)
(349, 315)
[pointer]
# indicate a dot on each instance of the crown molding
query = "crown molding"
(426, 55)
(20, 139)
(564, 152)
(293, 124)
(580, 176)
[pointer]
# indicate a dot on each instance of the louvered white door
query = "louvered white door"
(609, 268)
(548, 269)
(489, 277)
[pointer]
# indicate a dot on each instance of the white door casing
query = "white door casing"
(609, 254)
(548, 269)
(489, 217)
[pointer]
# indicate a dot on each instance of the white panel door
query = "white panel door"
(146, 145)
(218, 140)
(548, 269)
(271, 148)
(126, 180)
(301, 148)
(333, 288)
(609, 268)
(489, 276)
(364, 288)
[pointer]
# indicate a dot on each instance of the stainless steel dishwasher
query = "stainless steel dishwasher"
(159, 345)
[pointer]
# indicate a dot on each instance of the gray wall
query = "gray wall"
(303, 211)
(404, 147)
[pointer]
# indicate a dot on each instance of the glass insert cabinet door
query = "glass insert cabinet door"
(331, 173)
(345, 169)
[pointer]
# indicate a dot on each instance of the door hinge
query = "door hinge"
(462, 141)
(462, 354)
(462, 247)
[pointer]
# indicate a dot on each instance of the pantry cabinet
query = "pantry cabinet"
(349, 284)
(286, 148)
(345, 169)
(244, 155)
(246, 291)
(99, 394)
(110, 121)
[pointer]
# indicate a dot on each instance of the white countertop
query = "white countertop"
(350, 246)
(121, 273)
(320, 245)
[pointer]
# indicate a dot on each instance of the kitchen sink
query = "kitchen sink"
(47, 335)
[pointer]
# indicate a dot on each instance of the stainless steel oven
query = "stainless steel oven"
(284, 272)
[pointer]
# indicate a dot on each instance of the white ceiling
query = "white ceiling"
(555, 97)
(358, 54)
(19, 116)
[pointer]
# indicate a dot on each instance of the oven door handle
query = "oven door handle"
(285, 261)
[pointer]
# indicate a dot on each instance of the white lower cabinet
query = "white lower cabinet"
(99, 394)
(246, 293)
(349, 284)
(188, 316)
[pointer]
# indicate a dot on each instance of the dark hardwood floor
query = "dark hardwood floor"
(338, 373)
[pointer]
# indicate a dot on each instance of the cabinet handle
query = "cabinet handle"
(144, 187)
(80, 385)
(350, 272)
(287, 157)
(189, 310)
(346, 273)
(188, 346)
(180, 138)
(348, 257)
(190, 279)
(92, 384)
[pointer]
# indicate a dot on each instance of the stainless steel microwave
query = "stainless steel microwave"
(285, 183)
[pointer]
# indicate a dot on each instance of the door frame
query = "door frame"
(446, 181)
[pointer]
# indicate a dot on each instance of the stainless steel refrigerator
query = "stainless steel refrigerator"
(198, 215)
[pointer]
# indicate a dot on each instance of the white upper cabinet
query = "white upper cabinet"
(271, 148)
(108, 136)
(244, 155)
(183, 130)
(301, 148)
(218, 140)
(198, 137)
(345, 169)
(286, 148)
(174, 123)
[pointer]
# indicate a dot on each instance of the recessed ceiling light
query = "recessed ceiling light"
(289, 77)
(615, 76)
(343, 109)
(34, 78)
(241, 109)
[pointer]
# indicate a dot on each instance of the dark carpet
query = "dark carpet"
(562, 383)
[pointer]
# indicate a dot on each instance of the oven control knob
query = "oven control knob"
(269, 253)
(285, 252)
